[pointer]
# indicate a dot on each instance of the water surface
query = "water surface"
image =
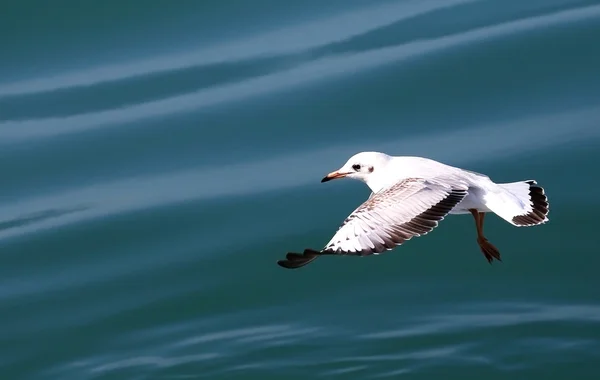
(158, 159)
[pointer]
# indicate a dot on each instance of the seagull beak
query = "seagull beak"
(333, 175)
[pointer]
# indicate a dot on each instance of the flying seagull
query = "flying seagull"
(411, 195)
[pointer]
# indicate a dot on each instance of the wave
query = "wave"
(106, 198)
(317, 71)
(290, 40)
(361, 353)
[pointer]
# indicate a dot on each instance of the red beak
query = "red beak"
(333, 175)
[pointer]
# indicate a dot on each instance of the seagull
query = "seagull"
(411, 195)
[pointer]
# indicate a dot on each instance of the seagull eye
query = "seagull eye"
(356, 167)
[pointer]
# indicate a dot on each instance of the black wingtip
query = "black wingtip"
(287, 264)
(296, 260)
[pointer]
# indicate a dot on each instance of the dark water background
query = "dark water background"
(158, 157)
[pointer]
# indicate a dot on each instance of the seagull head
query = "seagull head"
(365, 166)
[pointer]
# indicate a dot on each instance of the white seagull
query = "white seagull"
(411, 195)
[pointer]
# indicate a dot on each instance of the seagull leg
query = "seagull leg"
(489, 251)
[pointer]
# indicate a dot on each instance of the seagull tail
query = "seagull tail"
(523, 203)
(297, 260)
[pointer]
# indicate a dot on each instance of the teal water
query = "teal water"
(159, 157)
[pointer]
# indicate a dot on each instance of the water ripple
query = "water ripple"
(153, 361)
(288, 40)
(132, 194)
(316, 71)
(452, 323)
(358, 356)
(148, 250)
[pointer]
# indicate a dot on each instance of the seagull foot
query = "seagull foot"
(489, 251)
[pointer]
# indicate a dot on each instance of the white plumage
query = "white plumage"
(411, 195)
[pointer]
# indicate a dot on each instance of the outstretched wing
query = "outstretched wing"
(411, 207)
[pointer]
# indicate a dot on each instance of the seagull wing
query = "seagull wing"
(411, 207)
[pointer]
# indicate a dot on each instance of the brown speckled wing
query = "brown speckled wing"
(411, 207)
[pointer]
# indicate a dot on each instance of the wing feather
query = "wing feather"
(411, 207)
